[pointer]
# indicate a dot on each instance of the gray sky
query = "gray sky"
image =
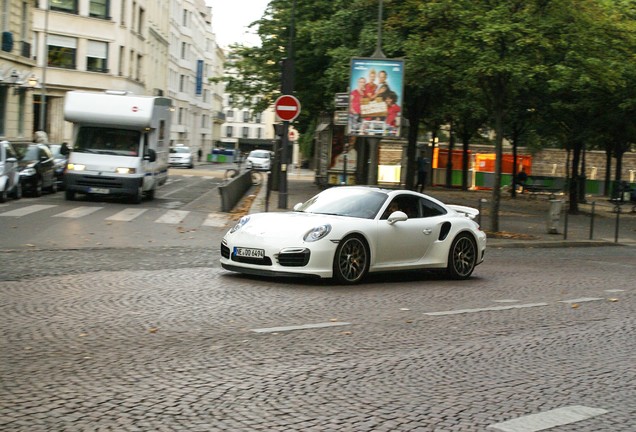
(230, 19)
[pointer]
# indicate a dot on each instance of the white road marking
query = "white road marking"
(506, 301)
(548, 419)
(27, 210)
(78, 212)
(127, 215)
(614, 290)
(582, 300)
(488, 309)
(215, 220)
(300, 327)
(173, 217)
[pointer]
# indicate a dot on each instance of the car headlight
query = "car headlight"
(76, 167)
(242, 221)
(28, 171)
(121, 170)
(317, 233)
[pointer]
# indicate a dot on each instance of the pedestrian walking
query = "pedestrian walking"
(422, 171)
(199, 154)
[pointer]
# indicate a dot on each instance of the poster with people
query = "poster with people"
(375, 99)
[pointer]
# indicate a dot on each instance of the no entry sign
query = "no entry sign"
(287, 107)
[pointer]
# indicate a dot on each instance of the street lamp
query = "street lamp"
(45, 61)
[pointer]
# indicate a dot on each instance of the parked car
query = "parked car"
(181, 156)
(9, 174)
(347, 232)
(259, 160)
(37, 168)
(60, 158)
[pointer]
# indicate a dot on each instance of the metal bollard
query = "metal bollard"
(592, 220)
(554, 216)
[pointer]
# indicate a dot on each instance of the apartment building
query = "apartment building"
(17, 79)
(151, 47)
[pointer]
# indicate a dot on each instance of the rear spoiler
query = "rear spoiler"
(466, 211)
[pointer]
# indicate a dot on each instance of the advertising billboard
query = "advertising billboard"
(376, 97)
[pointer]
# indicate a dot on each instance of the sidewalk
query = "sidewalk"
(523, 221)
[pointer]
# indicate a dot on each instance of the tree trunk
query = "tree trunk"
(608, 172)
(465, 161)
(574, 183)
(449, 163)
(496, 189)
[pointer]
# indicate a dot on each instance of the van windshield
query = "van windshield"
(121, 142)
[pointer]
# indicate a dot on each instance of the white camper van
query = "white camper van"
(120, 144)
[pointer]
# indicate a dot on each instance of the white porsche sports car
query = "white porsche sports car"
(346, 232)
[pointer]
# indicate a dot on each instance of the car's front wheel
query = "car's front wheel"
(4, 195)
(462, 257)
(351, 262)
(39, 185)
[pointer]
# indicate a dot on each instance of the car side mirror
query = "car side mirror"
(12, 160)
(150, 155)
(397, 216)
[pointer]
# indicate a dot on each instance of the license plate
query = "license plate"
(99, 191)
(249, 252)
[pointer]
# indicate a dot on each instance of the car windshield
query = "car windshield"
(27, 152)
(345, 201)
(259, 154)
(55, 149)
(121, 142)
(179, 150)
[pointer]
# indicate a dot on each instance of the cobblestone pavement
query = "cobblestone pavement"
(163, 340)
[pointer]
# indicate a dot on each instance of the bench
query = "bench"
(544, 185)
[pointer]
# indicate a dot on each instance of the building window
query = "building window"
(142, 17)
(184, 51)
(246, 116)
(140, 65)
(64, 6)
(3, 111)
(62, 51)
(257, 118)
(259, 133)
(246, 132)
(182, 83)
(184, 20)
(21, 112)
(97, 58)
(181, 115)
(99, 9)
(229, 130)
(230, 113)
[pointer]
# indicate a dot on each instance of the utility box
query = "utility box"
(554, 216)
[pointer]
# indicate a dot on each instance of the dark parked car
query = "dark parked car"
(37, 168)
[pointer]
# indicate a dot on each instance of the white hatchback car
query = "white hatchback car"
(9, 174)
(260, 160)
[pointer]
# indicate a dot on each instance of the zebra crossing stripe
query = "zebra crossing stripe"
(173, 217)
(126, 215)
(215, 220)
(78, 212)
(23, 211)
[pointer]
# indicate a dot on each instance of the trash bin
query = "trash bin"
(554, 216)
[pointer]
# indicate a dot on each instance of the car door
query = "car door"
(404, 243)
(47, 166)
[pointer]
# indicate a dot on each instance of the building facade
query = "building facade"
(17, 79)
(146, 47)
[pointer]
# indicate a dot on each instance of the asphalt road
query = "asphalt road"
(120, 324)
(163, 339)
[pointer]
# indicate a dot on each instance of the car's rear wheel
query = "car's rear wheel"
(351, 262)
(17, 191)
(462, 257)
(4, 195)
(53, 188)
